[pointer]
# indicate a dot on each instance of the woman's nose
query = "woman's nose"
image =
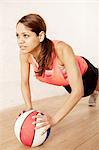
(21, 40)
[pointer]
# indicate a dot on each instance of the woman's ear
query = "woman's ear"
(41, 36)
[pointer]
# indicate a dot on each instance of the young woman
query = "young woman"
(55, 63)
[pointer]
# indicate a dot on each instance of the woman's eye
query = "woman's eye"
(26, 35)
(17, 35)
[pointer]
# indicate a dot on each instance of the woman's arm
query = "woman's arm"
(67, 57)
(74, 78)
(25, 75)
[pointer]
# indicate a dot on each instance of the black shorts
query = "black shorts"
(89, 79)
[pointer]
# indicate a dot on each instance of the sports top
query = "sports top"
(57, 75)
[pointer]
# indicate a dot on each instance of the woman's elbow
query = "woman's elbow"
(79, 91)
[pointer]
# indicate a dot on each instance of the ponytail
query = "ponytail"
(45, 60)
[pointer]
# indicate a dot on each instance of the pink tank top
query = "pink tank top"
(58, 75)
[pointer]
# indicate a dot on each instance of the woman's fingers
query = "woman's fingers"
(38, 121)
(44, 124)
(20, 114)
(45, 129)
(42, 121)
(38, 116)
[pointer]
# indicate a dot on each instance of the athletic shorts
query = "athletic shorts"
(89, 79)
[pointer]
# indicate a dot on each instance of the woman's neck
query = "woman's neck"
(36, 51)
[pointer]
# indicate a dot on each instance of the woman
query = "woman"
(55, 63)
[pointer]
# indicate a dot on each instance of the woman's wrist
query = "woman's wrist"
(29, 108)
(54, 121)
(57, 118)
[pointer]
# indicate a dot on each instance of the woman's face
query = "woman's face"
(27, 40)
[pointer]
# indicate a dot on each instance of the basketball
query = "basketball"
(25, 131)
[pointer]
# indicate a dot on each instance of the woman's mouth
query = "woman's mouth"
(22, 47)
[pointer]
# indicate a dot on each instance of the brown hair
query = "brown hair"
(37, 24)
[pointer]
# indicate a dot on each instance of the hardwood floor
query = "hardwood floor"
(78, 131)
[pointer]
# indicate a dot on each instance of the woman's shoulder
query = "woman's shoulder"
(61, 44)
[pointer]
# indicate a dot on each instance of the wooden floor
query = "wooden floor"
(78, 131)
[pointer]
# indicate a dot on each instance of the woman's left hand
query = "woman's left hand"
(45, 121)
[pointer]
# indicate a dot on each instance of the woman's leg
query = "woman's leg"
(97, 87)
(94, 95)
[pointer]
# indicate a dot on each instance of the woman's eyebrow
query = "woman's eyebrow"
(22, 33)
(25, 33)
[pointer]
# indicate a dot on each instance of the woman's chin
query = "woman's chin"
(24, 51)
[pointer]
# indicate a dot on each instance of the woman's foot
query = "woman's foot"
(92, 99)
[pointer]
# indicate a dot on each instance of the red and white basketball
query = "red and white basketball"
(25, 130)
